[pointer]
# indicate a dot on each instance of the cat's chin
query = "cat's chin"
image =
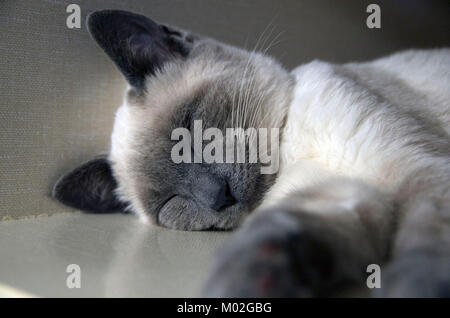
(197, 227)
(201, 220)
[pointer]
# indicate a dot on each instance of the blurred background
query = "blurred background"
(59, 91)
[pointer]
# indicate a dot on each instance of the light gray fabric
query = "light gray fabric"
(58, 90)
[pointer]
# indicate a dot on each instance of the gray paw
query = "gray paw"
(273, 256)
(417, 274)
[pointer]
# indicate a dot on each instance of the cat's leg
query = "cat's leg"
(311, 243)
(420, 265)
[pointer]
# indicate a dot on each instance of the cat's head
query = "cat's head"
(175, 79)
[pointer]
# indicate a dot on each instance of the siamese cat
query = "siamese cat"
(364, 161)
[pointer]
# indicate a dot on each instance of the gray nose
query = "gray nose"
(224, 198)
(213, 192)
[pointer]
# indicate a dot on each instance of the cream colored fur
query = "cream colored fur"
(367, 121)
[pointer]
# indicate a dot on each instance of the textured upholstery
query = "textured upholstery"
(58, 91)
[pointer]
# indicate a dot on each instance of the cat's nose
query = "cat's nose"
(213, 192)
(224, 198)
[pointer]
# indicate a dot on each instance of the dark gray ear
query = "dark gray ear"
(90, 187)
(137, 44)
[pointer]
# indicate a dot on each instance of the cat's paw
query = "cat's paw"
(416, 274)
(276, 255)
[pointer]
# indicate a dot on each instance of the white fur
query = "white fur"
(361, 120)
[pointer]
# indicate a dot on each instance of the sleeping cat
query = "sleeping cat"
(364, 161)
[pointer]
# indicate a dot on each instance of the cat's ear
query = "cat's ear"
(90, 187)
(138, 45)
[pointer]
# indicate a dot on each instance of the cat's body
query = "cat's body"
(364, 161)
(366, 145)
(378, 122)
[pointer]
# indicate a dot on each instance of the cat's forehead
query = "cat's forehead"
(180, 83)
(148, 118)
(205, 87)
